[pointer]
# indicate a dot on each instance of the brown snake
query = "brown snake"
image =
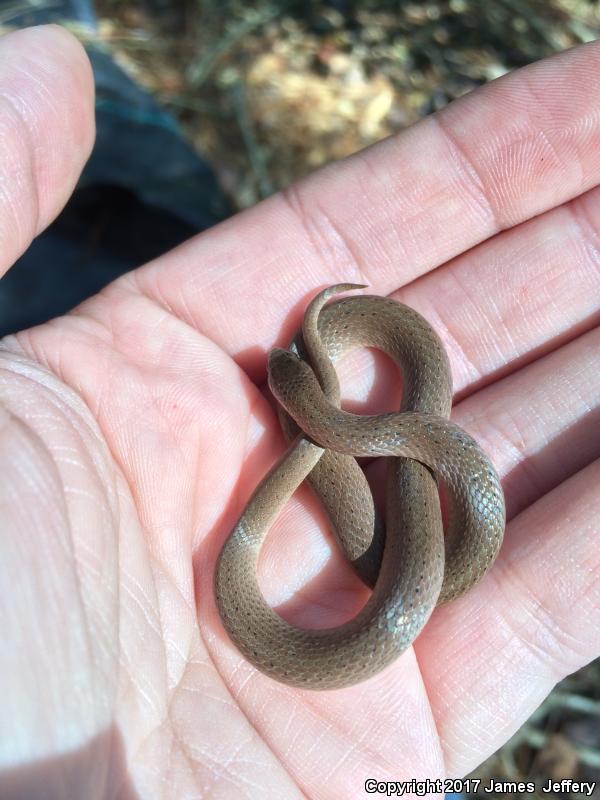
(411, 567)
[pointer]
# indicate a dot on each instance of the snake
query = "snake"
(413, 556)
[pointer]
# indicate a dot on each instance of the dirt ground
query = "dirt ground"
(271, 90)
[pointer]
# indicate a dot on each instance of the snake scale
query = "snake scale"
(412, 565)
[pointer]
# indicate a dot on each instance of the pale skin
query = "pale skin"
(133, 430)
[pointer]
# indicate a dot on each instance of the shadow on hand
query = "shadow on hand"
(97, 769)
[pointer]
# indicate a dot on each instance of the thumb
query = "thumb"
(46, 130)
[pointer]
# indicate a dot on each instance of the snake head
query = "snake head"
(288, 374)
(282, 365)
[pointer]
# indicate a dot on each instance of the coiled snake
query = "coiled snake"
(411, 567)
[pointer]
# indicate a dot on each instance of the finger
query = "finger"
(537, 613)
(520, 295)
(509, 151)
(540, 424)
(501, 305)
(490, 658)
(47, 123)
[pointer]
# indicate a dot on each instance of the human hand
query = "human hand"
(134, 429)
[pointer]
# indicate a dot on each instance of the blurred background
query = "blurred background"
(205, 107)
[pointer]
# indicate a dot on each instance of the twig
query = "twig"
(17, 9)
(255, 153)
(574, 702)
(586, 755)
(534, 21)
(201, 67)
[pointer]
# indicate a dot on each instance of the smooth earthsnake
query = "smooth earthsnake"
(413, 565)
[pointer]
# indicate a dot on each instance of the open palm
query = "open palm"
(133, 430)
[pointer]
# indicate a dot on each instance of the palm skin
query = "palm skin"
(134, 429)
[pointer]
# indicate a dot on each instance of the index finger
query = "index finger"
(505, 153)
